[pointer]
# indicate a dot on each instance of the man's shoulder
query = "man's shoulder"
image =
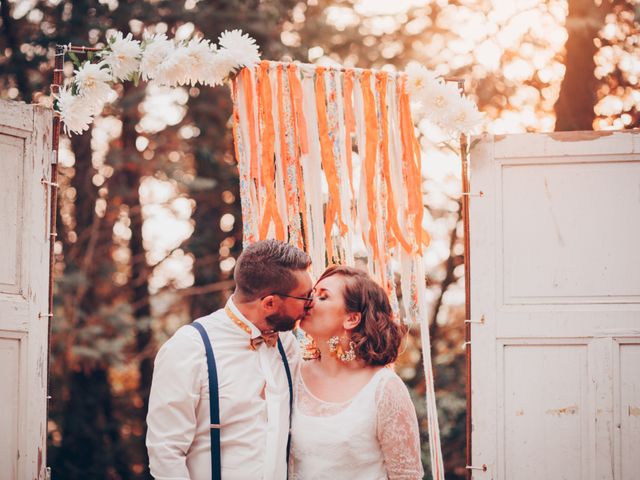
(219, 326)
(212, 320)
(185, 338)
(186, 334)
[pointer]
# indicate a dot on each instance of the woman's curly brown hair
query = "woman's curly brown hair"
(377, 337)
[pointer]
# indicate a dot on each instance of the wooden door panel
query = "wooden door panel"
(25, 155)
(555, 276)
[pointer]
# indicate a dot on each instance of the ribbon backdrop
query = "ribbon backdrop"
(329, 161)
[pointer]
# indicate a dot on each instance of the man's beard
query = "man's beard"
(280, 322)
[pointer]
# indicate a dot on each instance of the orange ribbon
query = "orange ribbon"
(392, 213)
(411, 159)
(371, 150)
(350, 123)
(295, 87)
(236, 118)
(267, 164)
(247, 206)
(292, 190)
(301, 145)
(328, 164)
(245, 75)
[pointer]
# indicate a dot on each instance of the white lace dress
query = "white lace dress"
(373, 436)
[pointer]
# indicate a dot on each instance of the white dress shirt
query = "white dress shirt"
(254, 403)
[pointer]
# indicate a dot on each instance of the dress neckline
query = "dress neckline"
(364, 387)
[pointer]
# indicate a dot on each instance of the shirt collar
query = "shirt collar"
(255, 332)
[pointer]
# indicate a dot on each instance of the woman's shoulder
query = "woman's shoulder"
(390, 384)
(389, 374)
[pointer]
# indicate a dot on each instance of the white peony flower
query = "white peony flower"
(174, 70)
(220, 66)
(190, 64)
(201, 58)
(123, 56)
(241, 47)
(438, 99)
(92, 79)
(157, 48)
(464, 117)
(418, 78)
(75, 112)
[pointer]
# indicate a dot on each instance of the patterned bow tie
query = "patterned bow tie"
(269, 338)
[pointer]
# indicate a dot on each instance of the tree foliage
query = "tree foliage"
(149, 216)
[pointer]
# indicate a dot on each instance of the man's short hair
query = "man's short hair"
(266, 267)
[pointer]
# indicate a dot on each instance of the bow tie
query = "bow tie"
(269, 338)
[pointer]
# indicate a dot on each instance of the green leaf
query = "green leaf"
(74, 58)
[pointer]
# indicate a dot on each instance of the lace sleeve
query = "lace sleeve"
(397, 430)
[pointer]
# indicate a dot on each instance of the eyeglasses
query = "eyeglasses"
(308, 299)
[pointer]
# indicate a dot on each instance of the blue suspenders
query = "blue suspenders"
(214, 403)
(214, 400)
(288, 372)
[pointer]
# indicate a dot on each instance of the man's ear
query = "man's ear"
(269, 303)
(352, 321)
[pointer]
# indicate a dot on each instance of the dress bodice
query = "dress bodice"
(370, 437)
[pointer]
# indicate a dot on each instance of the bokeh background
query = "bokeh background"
(149, 217)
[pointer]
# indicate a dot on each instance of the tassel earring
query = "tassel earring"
(310, 350)
(336, 347)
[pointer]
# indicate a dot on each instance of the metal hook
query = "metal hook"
(481, 321)
(47, 182)
(471, 467)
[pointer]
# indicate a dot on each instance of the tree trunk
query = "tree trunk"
(140, 270)
(84, 453)
(575, 105)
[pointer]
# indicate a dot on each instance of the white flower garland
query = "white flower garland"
(440, 101)
(198, 61)
(167, 62)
